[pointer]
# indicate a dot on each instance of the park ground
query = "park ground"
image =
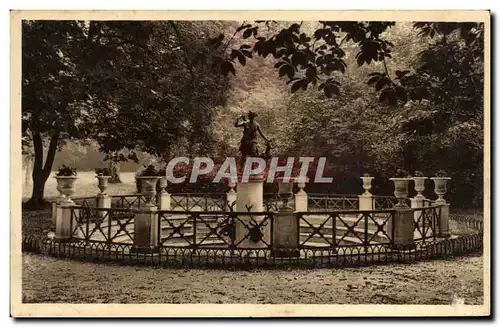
(50, 280)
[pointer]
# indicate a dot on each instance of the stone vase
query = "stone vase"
(419, 186)
(148, 188)
(367, 184)
(66, 185)
(440, 187)
(285, 191)
(231, 183)
(103, 183)
(401, 190)
(301, 184)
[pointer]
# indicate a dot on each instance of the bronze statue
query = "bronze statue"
(249, 146)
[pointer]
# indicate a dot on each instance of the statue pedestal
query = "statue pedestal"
(249, 198)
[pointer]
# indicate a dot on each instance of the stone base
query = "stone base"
(444, 235)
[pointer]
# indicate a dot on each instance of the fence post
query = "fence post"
(164, 200)
(103, 202)
(286, 225)
(250, 199)
(366, 199)
(301, 197)
(146, 220)
(403, 228)
(55, 207)
(231, 194)
(402, 223)
(163, 195)
(63, 219)
(440, 190)
(146, 229)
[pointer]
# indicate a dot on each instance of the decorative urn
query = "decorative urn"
(285, 190)
(440, 184)
(102, 183)
(401, 189)
(367, 184)
(66, 185)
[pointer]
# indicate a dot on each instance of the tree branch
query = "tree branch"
(186, 59)
(232, 37)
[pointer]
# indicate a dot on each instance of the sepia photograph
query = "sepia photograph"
(261, 158)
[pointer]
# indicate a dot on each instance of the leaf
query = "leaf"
(247, 53)
(401, 94)
(298, 58)
(373, 80)
(294, 28)
(286, 70)
(384, 95)
(296, 86)
(245, 47)
(360, 60)
(242, 27)
(241, 58)
(381, 83)
(234, 54)
(318, 34)
(227, 67)
(279, 64)
(401, 74)
(247, 33)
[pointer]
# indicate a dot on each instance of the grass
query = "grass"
(50, 280)
(85, 185)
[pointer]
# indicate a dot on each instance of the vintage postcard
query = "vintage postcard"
(250, 163)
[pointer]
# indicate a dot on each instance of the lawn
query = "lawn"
(45, 279)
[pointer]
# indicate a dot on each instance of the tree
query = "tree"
(114, 82)
(52, 102)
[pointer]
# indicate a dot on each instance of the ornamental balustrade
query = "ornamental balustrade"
(327, 222)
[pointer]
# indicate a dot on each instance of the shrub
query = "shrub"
(103, 171)
(66, 171)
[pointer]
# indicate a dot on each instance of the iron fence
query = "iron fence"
(246, 258)
(348, 228)
(114, 225)
(199, 201)
(329, 202)
(426, 222)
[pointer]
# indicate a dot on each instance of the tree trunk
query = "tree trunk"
(37, 200)
(115, 172)
(41, 172)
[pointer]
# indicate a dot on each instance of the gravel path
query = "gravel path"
(47, 279)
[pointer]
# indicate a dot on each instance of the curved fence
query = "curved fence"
(202, 229)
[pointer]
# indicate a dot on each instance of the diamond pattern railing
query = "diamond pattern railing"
(202, 220)
(198, 201)
(328, 202)
(426, 222)
(201, 229)
(345, 228)
(102, 225)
